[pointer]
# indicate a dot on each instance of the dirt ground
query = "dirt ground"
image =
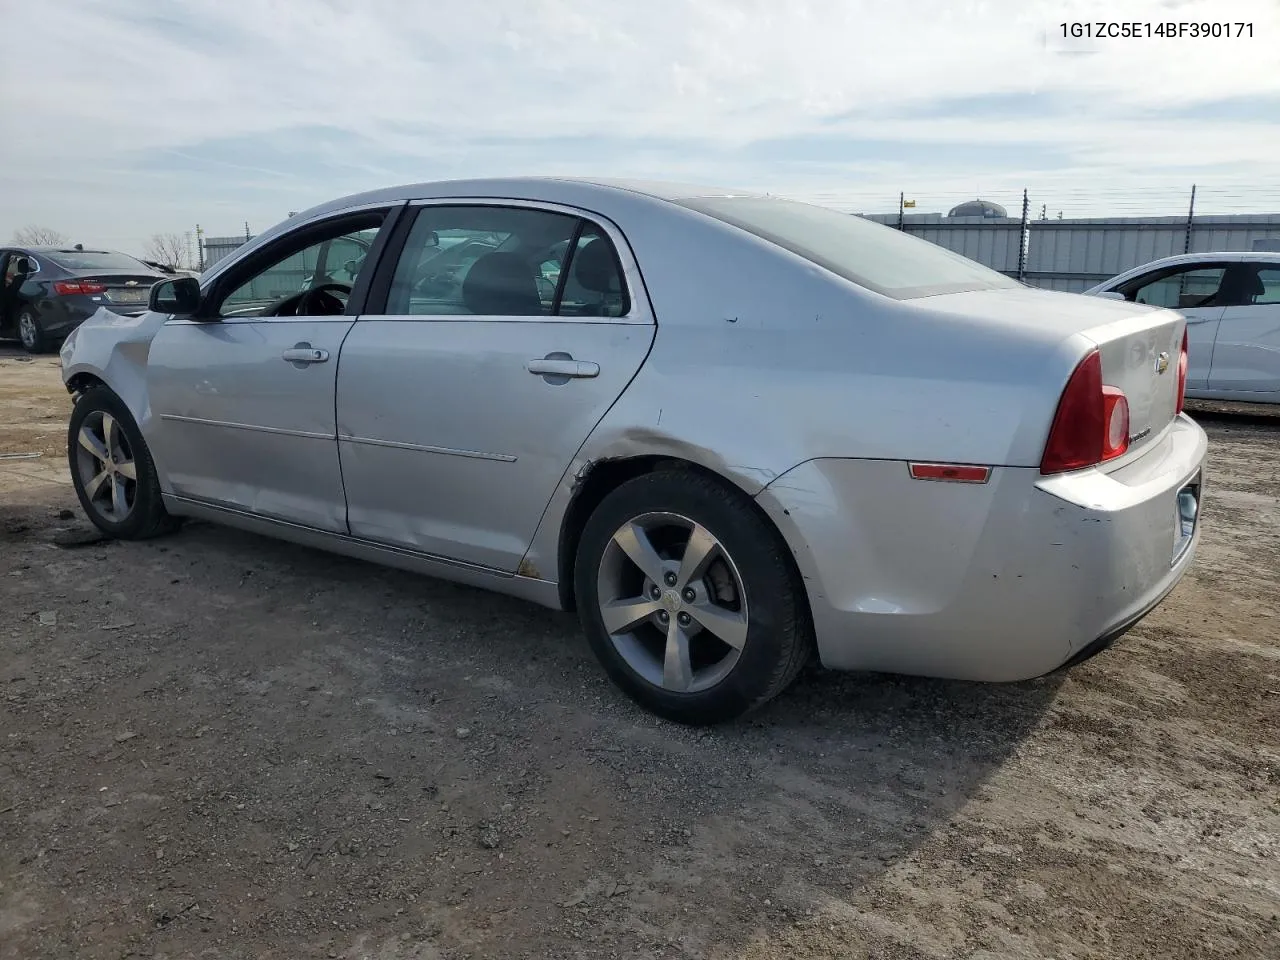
(218, 746)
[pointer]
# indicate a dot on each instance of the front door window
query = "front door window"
(332, 263)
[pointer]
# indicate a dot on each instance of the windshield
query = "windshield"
(870, 254)
(97, 260)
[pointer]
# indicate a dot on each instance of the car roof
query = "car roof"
(1228, 255)
(1211, 256)
(530, 186)
(575, 191)
(578, 191)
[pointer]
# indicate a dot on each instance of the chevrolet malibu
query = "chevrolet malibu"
(731, 431)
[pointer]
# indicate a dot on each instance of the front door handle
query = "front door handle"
(562, 367)
(303, 355)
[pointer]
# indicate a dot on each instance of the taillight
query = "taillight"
(70, 287)
(1092, 422)
(1182, 374)
(1115, 410)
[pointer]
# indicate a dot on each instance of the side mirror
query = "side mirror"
(180, 296)
(1112, 295)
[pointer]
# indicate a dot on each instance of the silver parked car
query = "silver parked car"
(729, 430)
(1231, 302)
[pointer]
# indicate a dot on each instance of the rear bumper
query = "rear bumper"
(1108, 639)
(1001, 581)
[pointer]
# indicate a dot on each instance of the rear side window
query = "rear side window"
(1180, 289)
(871, 255)
(486, 260)
(1269, 283)
(97, 260)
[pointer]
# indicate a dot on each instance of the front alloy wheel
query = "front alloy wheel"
(112, 470)
(107, 471)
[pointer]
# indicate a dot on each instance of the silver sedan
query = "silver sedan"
(731, 431)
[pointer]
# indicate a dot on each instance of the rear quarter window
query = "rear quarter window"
(887, 261)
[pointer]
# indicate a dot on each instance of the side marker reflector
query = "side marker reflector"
(956, 473)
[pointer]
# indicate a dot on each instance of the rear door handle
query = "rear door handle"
(303, 355)
(562, 366)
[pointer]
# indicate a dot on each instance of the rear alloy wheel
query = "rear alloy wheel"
(112, 470)
(688, 599)
(30, 333)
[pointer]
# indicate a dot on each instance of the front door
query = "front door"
(242, 398)
(507, 333)
(1246, 357)
(1192, 290)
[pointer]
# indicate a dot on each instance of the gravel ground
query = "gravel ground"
(218, 746)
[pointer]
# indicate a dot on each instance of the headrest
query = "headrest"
(594, 266)
(502, 285)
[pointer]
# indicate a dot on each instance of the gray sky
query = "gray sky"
(121, 118)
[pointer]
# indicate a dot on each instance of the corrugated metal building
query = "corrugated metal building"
(215, 248)
(1073, 255)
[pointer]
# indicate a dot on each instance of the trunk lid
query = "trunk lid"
(128, 289)
(1131, 340)
(1140, 356)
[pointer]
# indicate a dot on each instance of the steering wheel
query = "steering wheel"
(311, 300)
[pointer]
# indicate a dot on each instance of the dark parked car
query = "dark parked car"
(46, 292)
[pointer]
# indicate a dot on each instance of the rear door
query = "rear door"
(497, 336)
(1192, 290)
(1246, 357)
(242, 400)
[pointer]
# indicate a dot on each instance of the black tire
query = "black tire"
(779, 637)
(31, 332)
(147, 517)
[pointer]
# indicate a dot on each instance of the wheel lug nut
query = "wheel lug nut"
(684, 619)
(664, 616)
(670, 579)
(689, 595)
(654, 593)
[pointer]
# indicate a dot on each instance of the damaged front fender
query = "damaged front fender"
(112, 349)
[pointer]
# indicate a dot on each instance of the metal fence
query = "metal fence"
(1073, 255)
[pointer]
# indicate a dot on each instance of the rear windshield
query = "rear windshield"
(870, 254)
(95, 260)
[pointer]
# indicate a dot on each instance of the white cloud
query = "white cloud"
(420, 86)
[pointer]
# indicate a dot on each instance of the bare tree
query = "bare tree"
(169, 249)
(37, 236)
